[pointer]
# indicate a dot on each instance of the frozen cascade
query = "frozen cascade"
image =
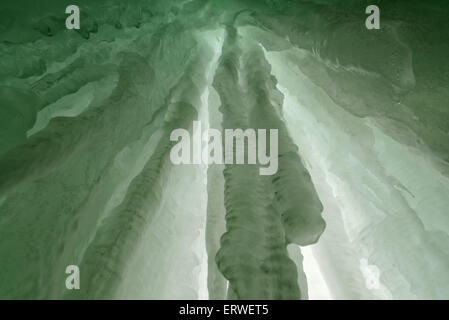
(86, 177)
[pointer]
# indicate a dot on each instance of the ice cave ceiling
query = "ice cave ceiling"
(358, 208)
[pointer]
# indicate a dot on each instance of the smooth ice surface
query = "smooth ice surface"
(86, 178)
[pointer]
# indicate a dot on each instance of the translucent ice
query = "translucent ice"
(362, 179)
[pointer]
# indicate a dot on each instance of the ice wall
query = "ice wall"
(86, 179)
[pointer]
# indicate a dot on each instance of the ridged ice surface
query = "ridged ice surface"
(363, 137)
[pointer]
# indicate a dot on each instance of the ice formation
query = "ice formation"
(363, 177)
